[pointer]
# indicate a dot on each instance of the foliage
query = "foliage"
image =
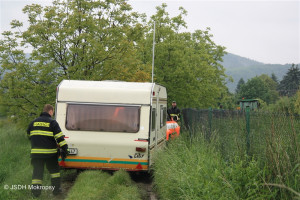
(283, 105)
(297, 103)
(239, 85)
(227, 101)
(186, 63)
(101, 185)
(262, 87)
(105, 40)
(290, 82)
(70, 40)
(3, 110)
(275, 79)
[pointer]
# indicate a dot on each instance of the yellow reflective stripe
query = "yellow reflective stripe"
(62, 143)
(55, 175)
(58, 135)
(173, 114)
(36, 181)
(43, 124)
(39, 132)
(43, 150)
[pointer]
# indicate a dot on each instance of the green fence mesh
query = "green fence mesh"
(252, 132)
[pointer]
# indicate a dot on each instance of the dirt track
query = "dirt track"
(145, 185)
(143, 181)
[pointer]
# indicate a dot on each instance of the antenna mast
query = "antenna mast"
(153, 51)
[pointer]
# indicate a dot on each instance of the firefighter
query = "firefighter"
(46, 137)
(174, 112)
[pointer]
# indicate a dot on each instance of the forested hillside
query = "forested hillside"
(239, 67)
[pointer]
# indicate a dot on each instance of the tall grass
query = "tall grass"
(15, 167)
(195, 170)
(100, 185)
(274, 145)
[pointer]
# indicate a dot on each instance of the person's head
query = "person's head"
(173, 104)
(49, 109)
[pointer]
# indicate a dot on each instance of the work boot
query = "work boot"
(36, 192)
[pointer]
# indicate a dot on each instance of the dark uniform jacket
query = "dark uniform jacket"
(174, 112)
(44, 134)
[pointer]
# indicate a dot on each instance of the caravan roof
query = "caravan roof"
(105, 92)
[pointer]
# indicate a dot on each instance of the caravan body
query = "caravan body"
(110, 124)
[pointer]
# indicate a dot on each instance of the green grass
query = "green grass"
(100, 185)
(195, 170)
(15, 167)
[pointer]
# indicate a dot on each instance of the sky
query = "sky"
(266, 31)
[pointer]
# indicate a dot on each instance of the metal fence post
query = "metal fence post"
(248, 129)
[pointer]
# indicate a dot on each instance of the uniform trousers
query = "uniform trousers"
(38, 173)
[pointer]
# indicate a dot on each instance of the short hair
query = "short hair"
(47, 108)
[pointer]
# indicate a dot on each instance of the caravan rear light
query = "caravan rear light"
(140, 149)
(153, 93)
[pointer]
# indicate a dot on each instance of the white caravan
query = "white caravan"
(111, 124)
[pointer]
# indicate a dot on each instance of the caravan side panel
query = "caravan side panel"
(158, 121)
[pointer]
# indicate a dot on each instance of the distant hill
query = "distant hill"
(239, 67)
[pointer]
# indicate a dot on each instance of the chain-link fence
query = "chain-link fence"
(261, 134)
(272, 139)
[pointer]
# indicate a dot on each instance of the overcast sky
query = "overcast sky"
(265, 31)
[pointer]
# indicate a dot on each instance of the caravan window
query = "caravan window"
(163, 116)
(153, 120)
(108, 118)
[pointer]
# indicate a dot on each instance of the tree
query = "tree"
(186, 63)
(272, 94)
(290, 82)
(253, 88)
(105, 40)
(239, 85)
(262, 87)
(74, 39)
(274, 78)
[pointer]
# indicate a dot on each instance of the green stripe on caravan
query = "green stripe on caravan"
(105, 161)
(43, 124)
